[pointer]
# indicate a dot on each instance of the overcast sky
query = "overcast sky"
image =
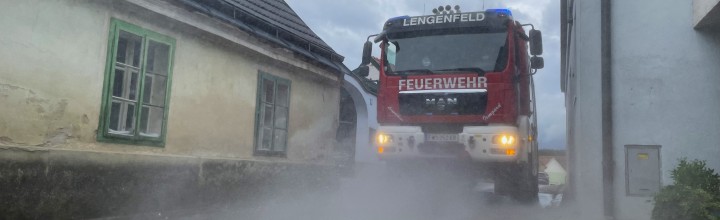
(345, 24)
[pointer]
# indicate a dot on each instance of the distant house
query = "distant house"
(545, 159)
(555, 164)
(374, 73)
(152, 85)
(556, 173)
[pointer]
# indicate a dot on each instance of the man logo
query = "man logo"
(440, 103)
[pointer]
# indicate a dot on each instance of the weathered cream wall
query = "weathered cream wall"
(52, 66)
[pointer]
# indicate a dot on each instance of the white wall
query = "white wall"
(665, 78)
(365, 105)
(665, 89)
(584, 114)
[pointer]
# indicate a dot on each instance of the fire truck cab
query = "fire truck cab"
(458, 85)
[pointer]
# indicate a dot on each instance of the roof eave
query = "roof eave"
(334, 61)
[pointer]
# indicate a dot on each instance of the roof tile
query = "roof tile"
(279, 13)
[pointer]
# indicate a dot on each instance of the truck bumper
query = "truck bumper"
(476, 143)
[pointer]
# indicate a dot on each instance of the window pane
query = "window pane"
(121, 49)
(266, 139)
(268, 90)
(282, 94)
(130, 117)
(125, 85)
(129, 49)
(132, 87)
(281, 115)
(151, 121)
(118, 83)
(122, 117)
(268, 116)
(280, 138)
(115, 116)
(391, 52)
(158, 57)
(155, 87)
(147, 87)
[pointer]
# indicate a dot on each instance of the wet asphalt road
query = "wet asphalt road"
(375, 193)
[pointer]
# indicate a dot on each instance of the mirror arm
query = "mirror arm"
(367, 51)
(531, 26)
(379, 37)
(523, 35)
(372, 35)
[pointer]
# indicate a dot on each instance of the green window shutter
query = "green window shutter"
(136, 90)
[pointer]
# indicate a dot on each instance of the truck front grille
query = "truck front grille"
(443, 103)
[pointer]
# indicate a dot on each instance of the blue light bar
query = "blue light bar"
(390, 21)
(398, 18)
(504, 11)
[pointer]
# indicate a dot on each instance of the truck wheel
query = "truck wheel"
(517, 181)
(527, 191)
(505, 179)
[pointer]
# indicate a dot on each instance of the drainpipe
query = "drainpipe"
(568, 195)
(608, 164)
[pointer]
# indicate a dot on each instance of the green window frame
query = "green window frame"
(136, 89)
(272, 115)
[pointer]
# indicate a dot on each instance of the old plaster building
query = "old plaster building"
(156, 91)
(641, 90)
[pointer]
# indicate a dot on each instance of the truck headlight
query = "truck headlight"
(383, 139)
(504, 140)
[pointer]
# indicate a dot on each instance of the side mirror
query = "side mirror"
(536, 47)
(362, 71)
(537, 62)
(367, 53)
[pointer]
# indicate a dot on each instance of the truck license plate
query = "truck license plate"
(441, 137)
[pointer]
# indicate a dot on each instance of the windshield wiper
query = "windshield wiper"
(421, 71)
(473, 69)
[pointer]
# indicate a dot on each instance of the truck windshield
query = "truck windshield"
(478, 52)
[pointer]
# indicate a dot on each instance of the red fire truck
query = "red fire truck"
(459, 86)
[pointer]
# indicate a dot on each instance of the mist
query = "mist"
(377, 191)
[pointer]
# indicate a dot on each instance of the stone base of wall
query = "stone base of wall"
(43, 183)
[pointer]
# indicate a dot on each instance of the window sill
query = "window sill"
(129, 141)
(265, 153)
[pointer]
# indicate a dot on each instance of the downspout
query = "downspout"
(564, 45)
(608, 163)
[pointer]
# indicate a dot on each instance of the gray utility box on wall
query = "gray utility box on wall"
(642, 170)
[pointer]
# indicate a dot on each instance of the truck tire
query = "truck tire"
(504, 179)
(527, 191)
(517, 181)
